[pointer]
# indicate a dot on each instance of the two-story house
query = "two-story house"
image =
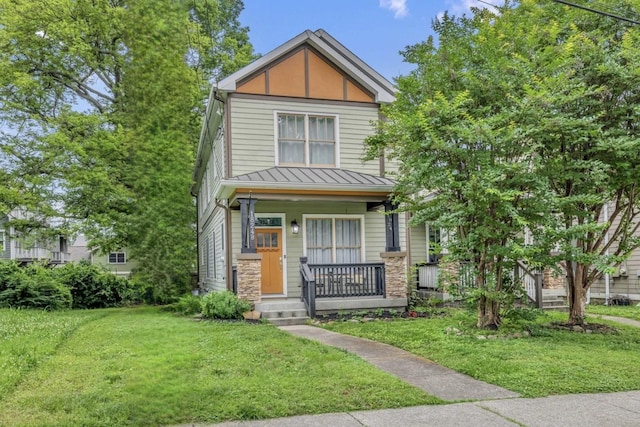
(14, 245)
(287, 208)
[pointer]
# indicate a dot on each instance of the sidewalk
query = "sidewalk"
(492, 406)
(577, 410)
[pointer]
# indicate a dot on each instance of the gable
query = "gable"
(304, 73)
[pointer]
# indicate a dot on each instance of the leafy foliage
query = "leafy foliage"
(93, 287)
(522, 120)
(100, 113)
(32, 287)
(223, 305)
(73, 285)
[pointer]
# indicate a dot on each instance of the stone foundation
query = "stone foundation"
(249, 277)
(552, 279)
(395, 272)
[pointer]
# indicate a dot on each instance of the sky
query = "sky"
(375, 30)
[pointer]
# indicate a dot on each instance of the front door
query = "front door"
(269, 244)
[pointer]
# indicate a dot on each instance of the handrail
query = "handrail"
(308, 294)
(532, 282)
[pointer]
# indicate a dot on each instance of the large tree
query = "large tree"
(522, 118)
(464, 165)
(584, 94)
(100, 105)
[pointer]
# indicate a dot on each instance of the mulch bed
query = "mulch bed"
(589, 328)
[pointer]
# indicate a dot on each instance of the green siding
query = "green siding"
(252, 132)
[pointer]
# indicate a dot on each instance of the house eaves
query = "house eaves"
(307, 179)
(343, 58)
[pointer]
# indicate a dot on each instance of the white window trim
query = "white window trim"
(3, 240)
(363, 252)
(116, 263)
(336, 119)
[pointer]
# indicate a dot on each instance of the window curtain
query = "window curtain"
(319, 241)
(347, 241)
(321, 141)
(291, 139)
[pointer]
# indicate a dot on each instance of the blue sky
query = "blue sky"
(375, 30)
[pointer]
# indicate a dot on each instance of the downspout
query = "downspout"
(197, 238)
(606, 243)
(407, 233)
(227, 246)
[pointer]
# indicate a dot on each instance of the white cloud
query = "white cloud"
(398, 7)
(460, 7)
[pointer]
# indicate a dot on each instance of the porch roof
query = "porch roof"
(309, 180)
(322, 178)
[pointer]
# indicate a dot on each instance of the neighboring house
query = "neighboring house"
(24, 249)
(79, 249)
(117, 262)
(287, 208)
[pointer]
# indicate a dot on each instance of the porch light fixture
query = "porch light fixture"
(295, 228)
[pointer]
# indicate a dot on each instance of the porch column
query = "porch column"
(392, 227)
(395, 273)
(249, 276)
(248, 225)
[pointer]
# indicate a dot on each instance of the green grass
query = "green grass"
(629, 311)
(547, 362)
(141, 367)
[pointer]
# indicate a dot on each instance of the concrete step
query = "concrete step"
(275, 314)
(288, 321)
(279, 305)
(561, 308)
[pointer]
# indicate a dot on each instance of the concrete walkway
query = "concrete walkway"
(578, 410)
(422, 373)
(492, 407)
(622, 320)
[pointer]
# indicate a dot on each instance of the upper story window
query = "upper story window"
(306, 139)
(117, 258)
(2, 247)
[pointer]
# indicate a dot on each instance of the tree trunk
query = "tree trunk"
(577, 294)
(488, 314)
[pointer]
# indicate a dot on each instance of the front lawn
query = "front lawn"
(628, 311)
(546, 362)
(141, 367)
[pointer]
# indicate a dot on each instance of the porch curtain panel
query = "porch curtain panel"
(321, 245)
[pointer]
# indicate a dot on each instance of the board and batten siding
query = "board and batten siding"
(253, 132)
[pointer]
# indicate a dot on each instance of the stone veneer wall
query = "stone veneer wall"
(395, 271)
(249, 277)
(448, 274)
(552, 279)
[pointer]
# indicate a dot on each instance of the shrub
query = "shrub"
(93, 287)
(223, 305)
(35, 287)
(9, 274)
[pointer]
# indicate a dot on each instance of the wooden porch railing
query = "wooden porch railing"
(531, 282)
(339, 281)
(348, 280)
(308, 295)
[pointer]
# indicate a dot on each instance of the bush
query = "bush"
(33, 287)
(93, 287)
(9, 274)
(187, 305)
(223, 305)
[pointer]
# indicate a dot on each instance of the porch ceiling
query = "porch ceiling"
(297, 183)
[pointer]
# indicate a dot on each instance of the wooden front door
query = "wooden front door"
(269, 244)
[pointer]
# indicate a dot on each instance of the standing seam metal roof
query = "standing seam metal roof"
(313, 176)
